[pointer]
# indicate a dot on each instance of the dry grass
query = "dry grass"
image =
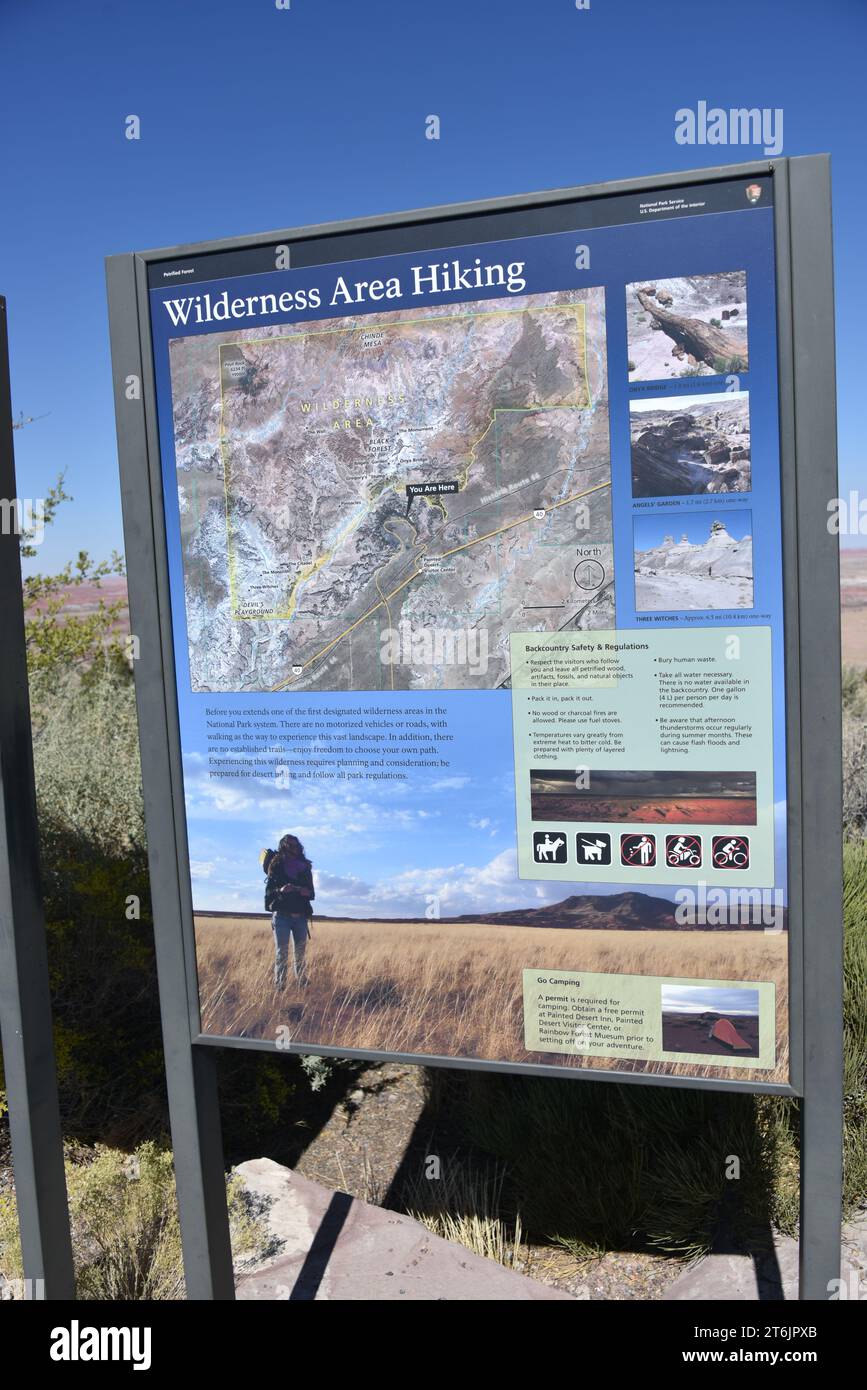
(464, 1205)
(440, 990)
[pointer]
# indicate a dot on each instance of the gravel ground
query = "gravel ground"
(362, 1146)
(380, 1133)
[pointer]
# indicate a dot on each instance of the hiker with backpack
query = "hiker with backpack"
(288, 894)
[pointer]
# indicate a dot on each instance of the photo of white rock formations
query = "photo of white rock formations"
(690, 444)
(692, 325)
(693, 560)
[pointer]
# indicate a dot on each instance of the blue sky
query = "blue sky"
(256, 118)
(680, 999)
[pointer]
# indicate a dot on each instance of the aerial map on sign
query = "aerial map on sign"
(377, 502)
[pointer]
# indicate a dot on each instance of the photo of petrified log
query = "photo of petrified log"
(701, 341)
(694, 325)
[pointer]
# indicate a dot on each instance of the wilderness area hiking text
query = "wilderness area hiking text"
(442, 278)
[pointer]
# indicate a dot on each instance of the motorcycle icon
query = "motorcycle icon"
(681, 850)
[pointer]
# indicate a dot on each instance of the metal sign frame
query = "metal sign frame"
(25, 998)
(805, 338)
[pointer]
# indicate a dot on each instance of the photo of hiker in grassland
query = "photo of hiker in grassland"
(289, 893)
(425, 958)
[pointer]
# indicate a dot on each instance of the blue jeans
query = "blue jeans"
(296, 928)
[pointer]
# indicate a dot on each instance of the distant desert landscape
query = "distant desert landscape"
(455, 988)
(700, 1032)
(853, 601)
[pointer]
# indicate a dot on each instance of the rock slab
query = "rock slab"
(770, 1277)
(333, 1246)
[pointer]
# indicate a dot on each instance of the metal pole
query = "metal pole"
(819, 610)
(25, 1001)
(190, 1071)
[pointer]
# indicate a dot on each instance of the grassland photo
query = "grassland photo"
(454, 988)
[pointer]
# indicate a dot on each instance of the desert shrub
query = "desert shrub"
(86, 759)
(855, 1021)
(321, 1072)
(593, 1166)
(97, 908)
(854, 687)
(125, 1230)
(854, 751)
(854, 774)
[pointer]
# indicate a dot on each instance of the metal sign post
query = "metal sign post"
(190, 1071)
(815, 448)
(794, 348)
(25, 1006)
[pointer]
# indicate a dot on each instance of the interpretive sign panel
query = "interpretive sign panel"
(478, 632)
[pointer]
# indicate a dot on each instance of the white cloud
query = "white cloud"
(309, 809)
(457, 888)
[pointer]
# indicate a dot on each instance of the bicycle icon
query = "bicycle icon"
(731, 852)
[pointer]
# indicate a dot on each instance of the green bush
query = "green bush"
(855, 751)
(86, 760)
(125, 1232)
